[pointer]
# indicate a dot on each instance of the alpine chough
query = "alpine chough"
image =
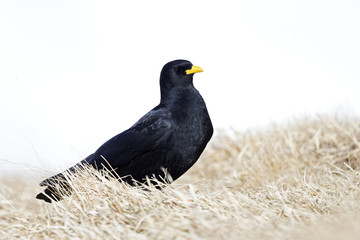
(164, 143)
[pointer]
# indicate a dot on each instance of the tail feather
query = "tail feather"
(49, 195)
(58, 185)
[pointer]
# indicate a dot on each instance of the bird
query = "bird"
(163, 144)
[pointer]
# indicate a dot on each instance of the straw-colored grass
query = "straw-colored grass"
(295, 181)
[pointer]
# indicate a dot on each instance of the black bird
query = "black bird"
(164, 143)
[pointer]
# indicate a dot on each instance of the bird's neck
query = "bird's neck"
(184, 104)
(178, 96)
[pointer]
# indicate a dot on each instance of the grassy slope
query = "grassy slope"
(295, 181)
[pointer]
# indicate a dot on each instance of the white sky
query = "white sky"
(75, 73)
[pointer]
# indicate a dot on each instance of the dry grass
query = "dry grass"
(294, 181)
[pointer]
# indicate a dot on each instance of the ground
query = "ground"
(299, 180)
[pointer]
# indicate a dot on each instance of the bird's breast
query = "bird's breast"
(192, 124)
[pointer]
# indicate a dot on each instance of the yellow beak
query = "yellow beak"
(194, 69)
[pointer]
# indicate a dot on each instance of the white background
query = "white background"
(75, 73)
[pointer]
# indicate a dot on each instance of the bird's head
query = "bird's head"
(178, 73)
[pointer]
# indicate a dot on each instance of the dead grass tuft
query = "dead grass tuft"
(294, 181)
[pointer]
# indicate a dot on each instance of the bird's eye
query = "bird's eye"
(177, 69)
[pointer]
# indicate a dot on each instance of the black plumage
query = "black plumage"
(164, 143)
